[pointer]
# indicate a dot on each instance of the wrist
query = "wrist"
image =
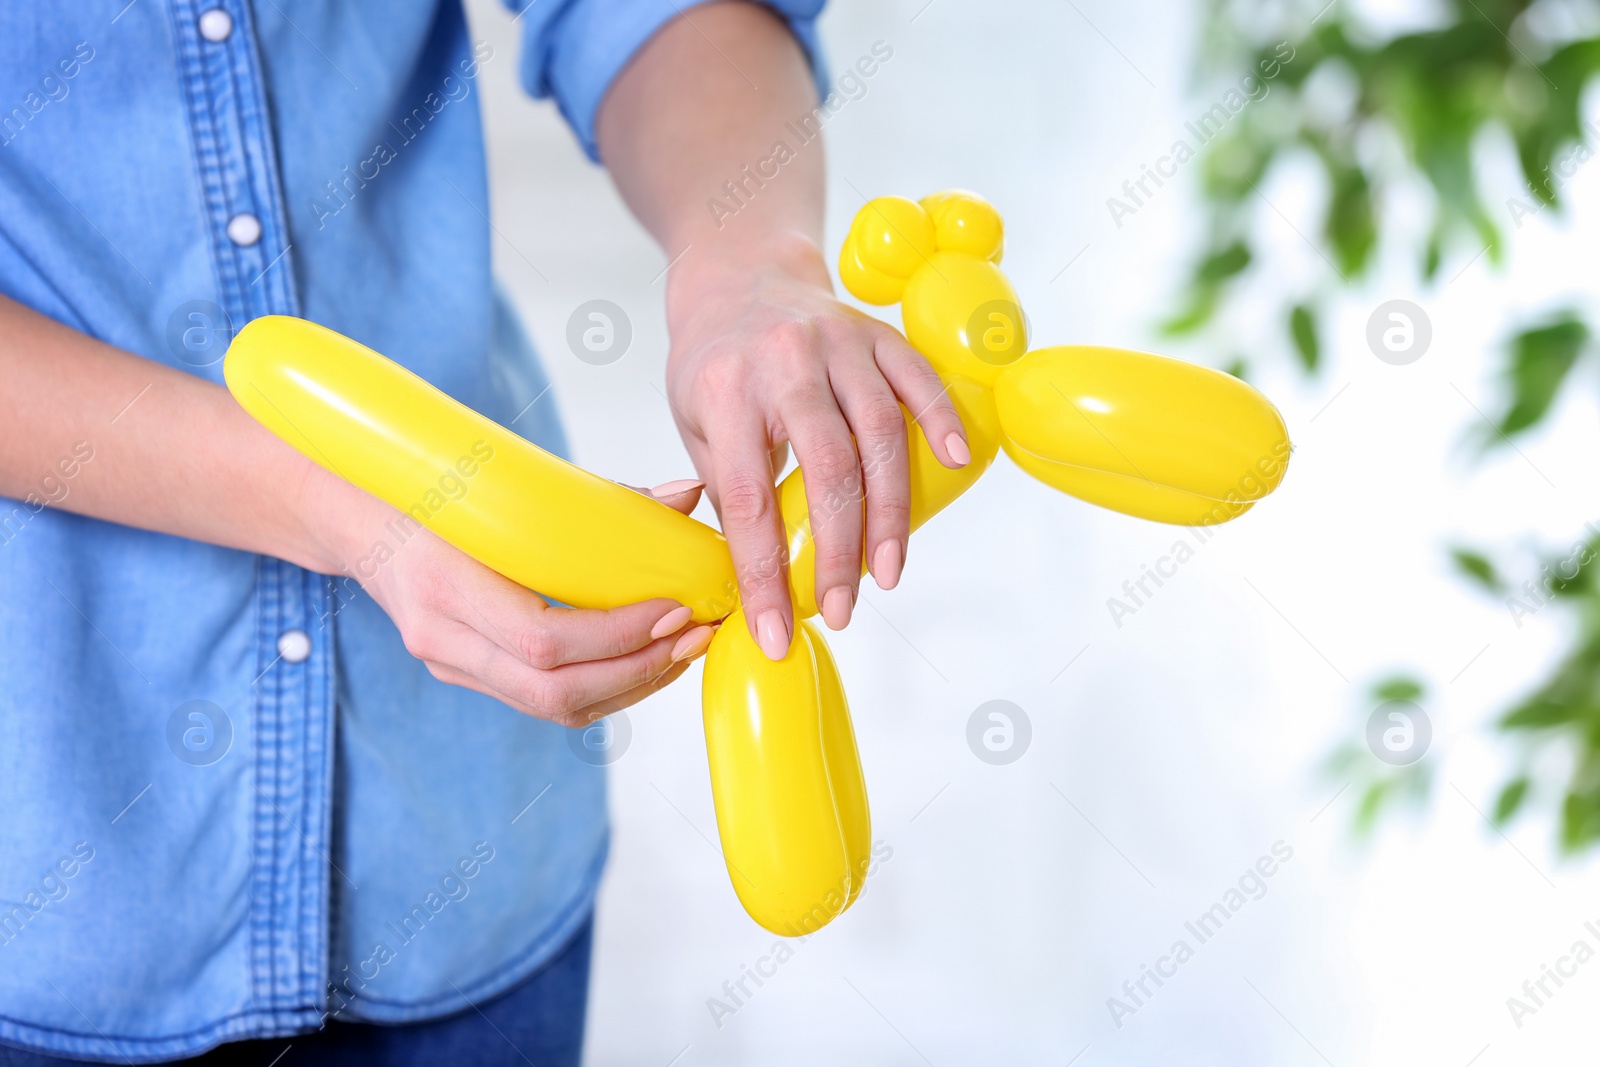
(721, 263)
(337, 520)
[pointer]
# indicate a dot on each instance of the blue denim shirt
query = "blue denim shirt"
(231, 804)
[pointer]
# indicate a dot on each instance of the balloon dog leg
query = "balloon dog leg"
(791, 802)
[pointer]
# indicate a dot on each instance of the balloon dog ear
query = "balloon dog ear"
(892, 237)
(967, 223)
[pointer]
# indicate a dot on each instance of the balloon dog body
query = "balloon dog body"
(1138, 433)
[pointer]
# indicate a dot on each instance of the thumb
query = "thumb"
(682, 495)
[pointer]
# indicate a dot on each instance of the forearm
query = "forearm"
(171, 452)
(715, 110)
(705, 103)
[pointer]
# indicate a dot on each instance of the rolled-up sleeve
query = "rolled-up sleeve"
(573, 49)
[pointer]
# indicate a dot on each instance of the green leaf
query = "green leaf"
(1238, 367)
(1398, 688)
(1541, 714)
(1347, 759)
(1234, 164)
(1573, 574)
(1202, 305)
(1478, 568)
(1580, 819)
(1540, 360)
(1510, 800)
(1303, 329)
(1351, 225)
(1371, 805)
(1432, 256)
(1223, 264)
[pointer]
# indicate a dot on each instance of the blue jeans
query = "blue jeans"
(539, 1021)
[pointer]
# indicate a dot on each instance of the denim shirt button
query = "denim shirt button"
(216, 25)
(294, 646)
(244, 229)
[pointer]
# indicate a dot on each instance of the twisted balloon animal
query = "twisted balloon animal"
(1142, 434)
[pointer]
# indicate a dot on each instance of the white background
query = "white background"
(1177, 748)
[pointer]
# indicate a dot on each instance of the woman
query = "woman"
(264, 781)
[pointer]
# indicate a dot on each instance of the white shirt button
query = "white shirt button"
(294, 646)
(216, 25)
(244, 229)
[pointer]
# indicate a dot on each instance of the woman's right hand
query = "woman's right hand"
(478, 629)
(175, 453)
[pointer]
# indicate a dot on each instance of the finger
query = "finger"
(559, 695)
(834, 493)
(573, 636)
(685, 650)
(454, 676)
(748, 507)
(879, 427)
(546, 637)
(632, 696)
(680, 495)
(925, 396)
(582, 716)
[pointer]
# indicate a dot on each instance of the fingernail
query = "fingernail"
(772, 634)
(886, 564)
(682, 485)
(671, 622)
(836, 606)
(691, 644)
(958, 449)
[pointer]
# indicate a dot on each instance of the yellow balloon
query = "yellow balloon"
(1142, 434)
(873, 286)
(893, 235)
(786, 779)
(844, 763)
(962, 314)
(933, 487)
(1135, 432)
(534, 517)
(1138, 433)
(965, 222)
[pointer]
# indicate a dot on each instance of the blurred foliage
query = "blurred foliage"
(1373, 114)
(1343, 97)
(1477, 567)
(1378, 785)
(1565, 709)
(1540, 360)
